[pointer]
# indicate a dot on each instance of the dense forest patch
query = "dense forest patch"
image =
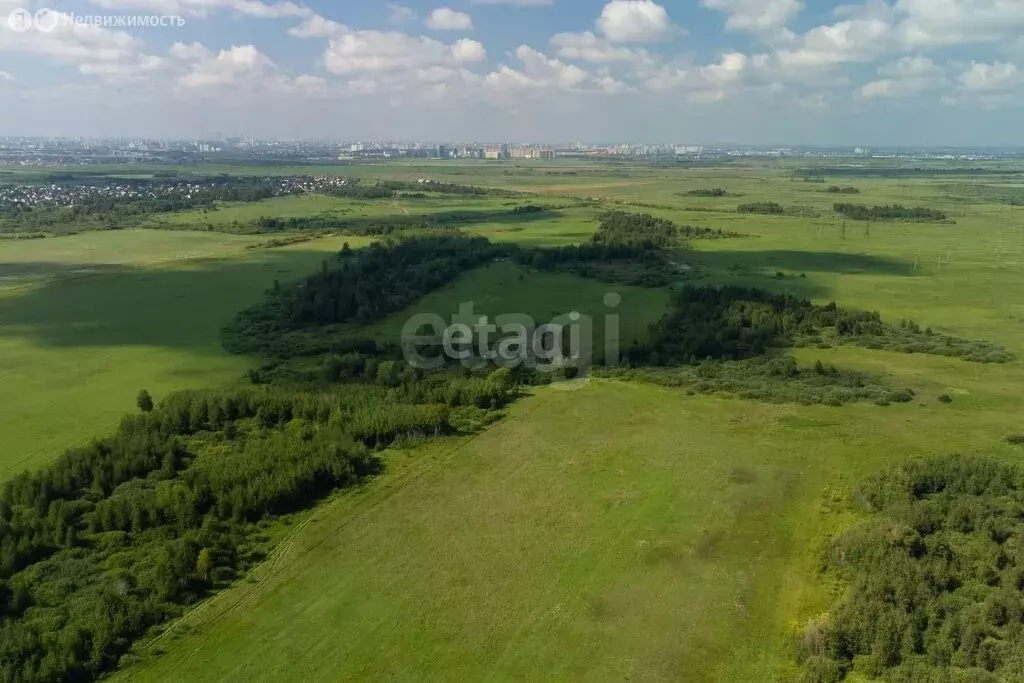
(776, 209)
(727, 340)
(357, 287)
(766, 208)
(708, 192)
(628, 248)
(733, 323)
(894, 212)
(935, 575)
(124, 533)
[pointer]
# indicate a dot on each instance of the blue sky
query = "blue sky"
(879, 72)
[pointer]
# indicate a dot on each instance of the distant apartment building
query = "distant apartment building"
(493, 152)
(469, 152)
(532, 153)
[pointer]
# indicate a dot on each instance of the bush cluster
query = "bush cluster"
(773, 379)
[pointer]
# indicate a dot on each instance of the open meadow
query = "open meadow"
(602, 529)
(88, 320)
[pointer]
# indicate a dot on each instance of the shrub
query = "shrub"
(818, 669)
(144, 401)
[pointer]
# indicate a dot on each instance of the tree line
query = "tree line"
(390, 226)
(914, 172)
(628, 248)
(359, 287)
(125, 532)
(733, 323)
(768, 208)
(861, 212)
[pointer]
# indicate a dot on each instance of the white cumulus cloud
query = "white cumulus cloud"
(465, 50)
(851, 40)
(227, 66)
(1000, 76)
(588, 47)
(110, 55)
(959, 22)
(538, 72)
(378, 51)
(756, 16)
(316, 26)
(447, 19)
(635, 21)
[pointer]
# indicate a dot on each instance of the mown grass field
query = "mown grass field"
(613, 531)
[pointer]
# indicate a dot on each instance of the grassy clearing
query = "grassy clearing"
(88, 320)
(505, 288)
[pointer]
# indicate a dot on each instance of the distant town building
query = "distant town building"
(532, 153)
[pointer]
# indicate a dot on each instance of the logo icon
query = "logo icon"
(20, 20)
(46, 20)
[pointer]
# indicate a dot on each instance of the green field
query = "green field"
(90, 319)
(503, 288)
(601, 531)
(612, 532)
